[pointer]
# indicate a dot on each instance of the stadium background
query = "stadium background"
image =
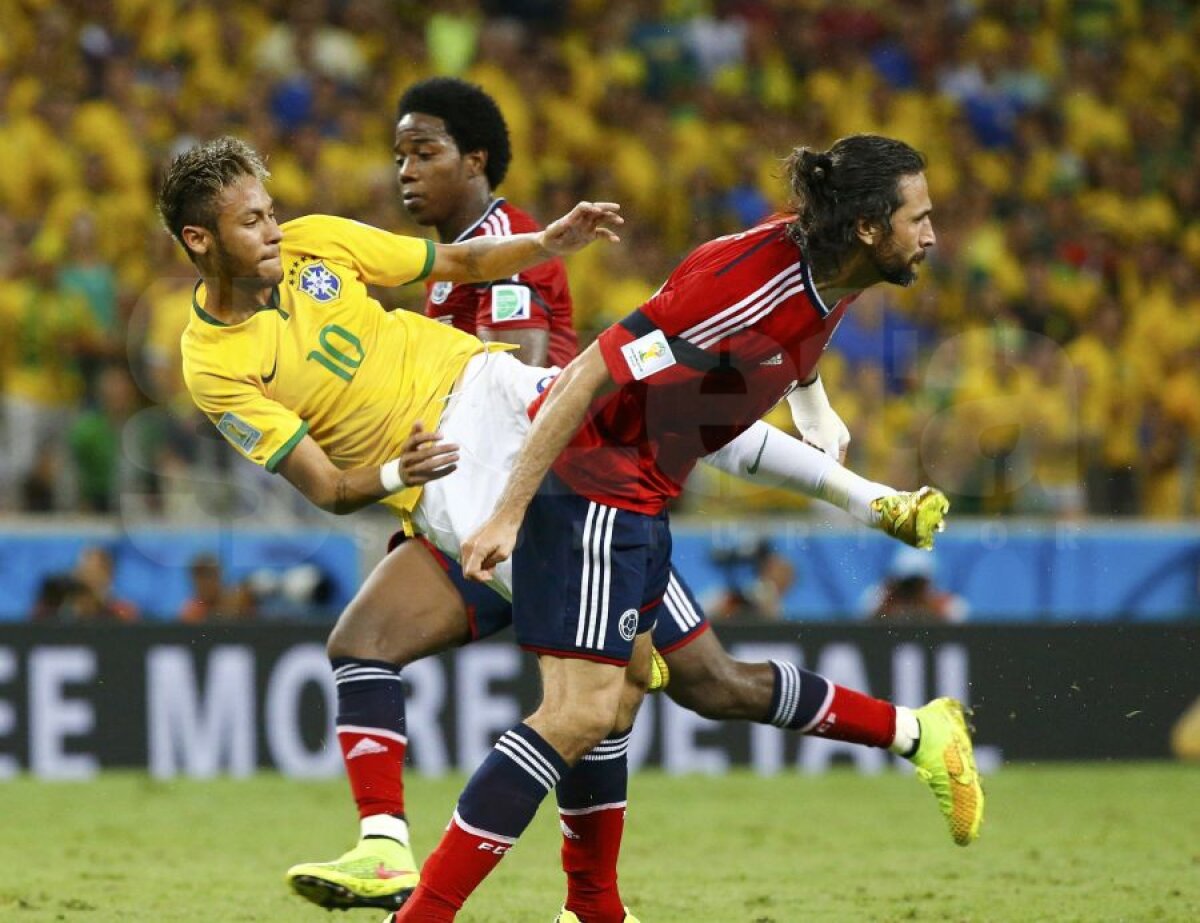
(1043, 372)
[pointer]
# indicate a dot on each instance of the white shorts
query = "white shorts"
(486, 418)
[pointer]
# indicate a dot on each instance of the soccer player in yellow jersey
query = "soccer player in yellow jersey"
(282, 324)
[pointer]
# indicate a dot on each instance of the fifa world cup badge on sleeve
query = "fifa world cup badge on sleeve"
(239, 432)
(647, 355)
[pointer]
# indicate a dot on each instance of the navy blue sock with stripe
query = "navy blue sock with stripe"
(591, 811)
(510, 783)
(811, 704)
(371, 733)
(493, 811)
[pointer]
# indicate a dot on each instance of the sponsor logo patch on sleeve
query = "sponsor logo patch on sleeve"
(647, 355)
(510, 302)
(239, 432)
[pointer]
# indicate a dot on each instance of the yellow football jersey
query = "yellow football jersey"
(324, 358)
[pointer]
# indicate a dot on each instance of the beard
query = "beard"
(248, 277)
(892, 265)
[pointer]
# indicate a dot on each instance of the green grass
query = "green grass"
(1061, 843)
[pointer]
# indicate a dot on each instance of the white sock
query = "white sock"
(384, 825)
(849, 491)
(766, 455)
(908, 732)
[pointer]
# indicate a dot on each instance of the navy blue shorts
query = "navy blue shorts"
(677, 618)
(487, 611)
(587, 577)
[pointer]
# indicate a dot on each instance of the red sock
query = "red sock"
(461, 861)
(374, 762)
(856, 718)
(591, 843)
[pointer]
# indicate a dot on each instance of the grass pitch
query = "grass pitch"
(1060, 843)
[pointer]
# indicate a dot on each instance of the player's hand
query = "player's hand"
(586, 222)
(424, 457)
(491, 543)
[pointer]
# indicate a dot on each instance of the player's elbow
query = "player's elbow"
(336, 499)
(320, 482)
(322, 496)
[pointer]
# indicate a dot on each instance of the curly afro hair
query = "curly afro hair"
(472, 119)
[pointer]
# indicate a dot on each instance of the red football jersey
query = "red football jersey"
(736, 326)
(537, 297)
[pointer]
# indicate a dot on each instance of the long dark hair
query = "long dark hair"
(857, 178)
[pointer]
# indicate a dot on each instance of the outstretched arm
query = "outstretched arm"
(557, 421)
(484, 259)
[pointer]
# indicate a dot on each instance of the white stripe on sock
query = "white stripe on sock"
(371, 732)
(482, 834)
(522, 752)
(594, 809)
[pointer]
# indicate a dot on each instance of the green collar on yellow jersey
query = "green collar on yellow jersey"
(271, 305)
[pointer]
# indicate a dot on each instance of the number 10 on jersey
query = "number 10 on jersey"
(341, 351)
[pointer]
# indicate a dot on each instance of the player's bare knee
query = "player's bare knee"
(594, 730)
(574, 728)
(359, 635)
(348, 639)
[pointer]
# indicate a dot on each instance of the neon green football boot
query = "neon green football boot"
(568, 917)
(914, 517)
(378, 872)
(945, 762)
(660, 675)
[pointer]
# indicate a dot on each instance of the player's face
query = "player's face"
(898, 254)
(431, 170)
(246, 245)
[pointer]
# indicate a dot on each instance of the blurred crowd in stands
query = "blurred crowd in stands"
(88, 593)
(1047, 362)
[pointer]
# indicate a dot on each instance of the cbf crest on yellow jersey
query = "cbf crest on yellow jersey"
(323, 357)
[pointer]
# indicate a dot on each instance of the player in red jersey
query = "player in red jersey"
(452, 152)
(383, 630)
(739, 326)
